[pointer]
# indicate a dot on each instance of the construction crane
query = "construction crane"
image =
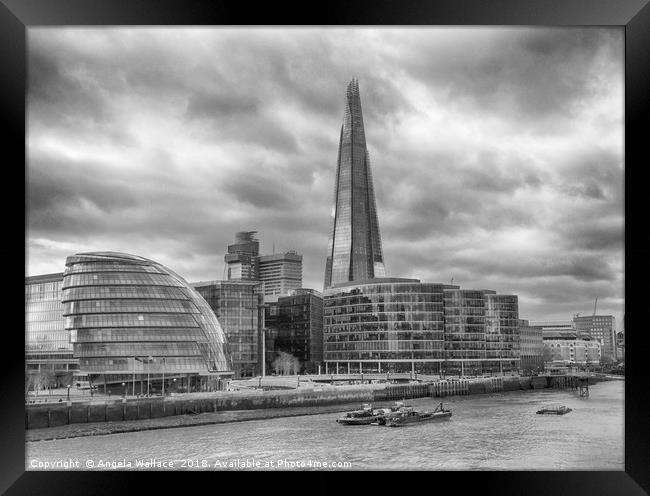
(595, 304)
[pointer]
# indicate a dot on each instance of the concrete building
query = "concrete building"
(280, 273)
(239, 306)
(531, 347)
(294, 325)
(47, 343)
(135, 322)
(553, 325)
(570, 348)
(603, 329)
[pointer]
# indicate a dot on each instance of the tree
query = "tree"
(285, 364)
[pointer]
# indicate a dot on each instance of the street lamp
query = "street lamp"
(149, 360)
(124, 390)
(163, 380)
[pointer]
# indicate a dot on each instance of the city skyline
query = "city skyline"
(497, 152)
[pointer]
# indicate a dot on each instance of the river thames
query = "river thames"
(498, 431)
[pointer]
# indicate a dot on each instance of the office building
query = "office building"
(404, 325)
(354, 249)
(280, 273)
(294, 325)
(241, 259)
(531, 348)
(136, 322)
(47, 343)
(601, 328)
(481, 332)
(239, 308)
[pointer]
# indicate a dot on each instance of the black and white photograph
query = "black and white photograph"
(335, 248)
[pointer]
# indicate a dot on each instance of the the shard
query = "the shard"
(354, 250)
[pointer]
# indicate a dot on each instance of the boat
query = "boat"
(554, 410)
(365, 416)
(408, 415)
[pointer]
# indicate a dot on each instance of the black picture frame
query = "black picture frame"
(16, 16)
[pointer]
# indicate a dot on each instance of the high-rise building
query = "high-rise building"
(603, 329)
(47, 343)
(239, 307)
(136, 322)
(281, 273)
(241, 259)
(354, 249)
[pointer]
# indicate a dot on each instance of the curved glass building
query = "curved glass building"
(133, 320)
(384, 325)
(404, 325)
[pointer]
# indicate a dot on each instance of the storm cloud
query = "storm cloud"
(497, 153)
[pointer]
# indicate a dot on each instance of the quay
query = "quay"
(110, 415)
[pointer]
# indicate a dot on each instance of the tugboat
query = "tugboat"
(554, 410)
(408, 415)
(365, 416)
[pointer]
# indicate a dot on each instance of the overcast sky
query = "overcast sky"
(497, 153)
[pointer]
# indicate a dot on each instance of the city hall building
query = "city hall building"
(135, 322)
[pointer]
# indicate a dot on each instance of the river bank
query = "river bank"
(60, 422)
(106, 428)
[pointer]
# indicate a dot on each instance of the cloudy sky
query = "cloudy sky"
(497, 153)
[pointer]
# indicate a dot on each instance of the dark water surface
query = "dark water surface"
(497, 431)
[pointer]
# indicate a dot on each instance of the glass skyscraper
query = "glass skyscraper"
(354, 249)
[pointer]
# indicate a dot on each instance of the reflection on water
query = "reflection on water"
(497, 431)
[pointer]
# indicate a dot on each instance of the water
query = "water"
(498, 431)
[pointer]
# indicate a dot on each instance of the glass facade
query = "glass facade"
(354, 249)
(130, 317)
(531, 347)
(294, 324)
(384, 325)
(47, 343)
(404, 325)
(239, 307)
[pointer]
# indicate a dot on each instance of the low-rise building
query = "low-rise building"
(570, 348)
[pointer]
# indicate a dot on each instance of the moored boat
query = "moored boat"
(554, 410)
(365, 416)
(408, 415)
